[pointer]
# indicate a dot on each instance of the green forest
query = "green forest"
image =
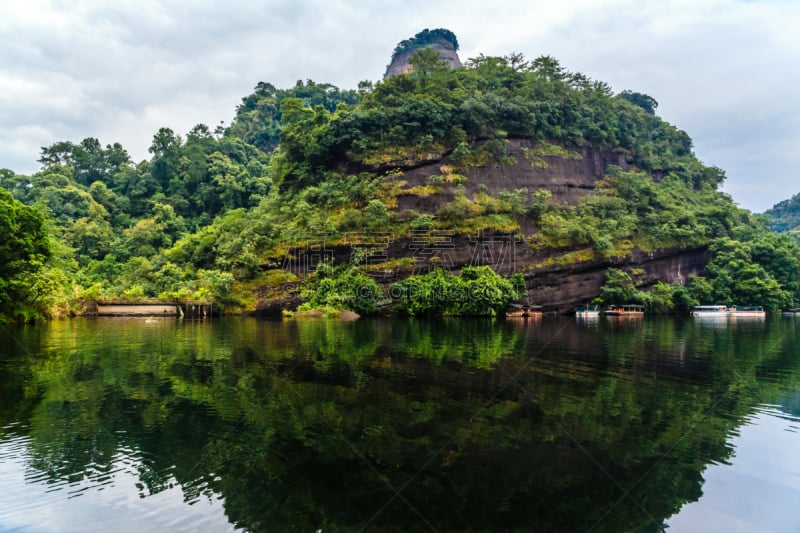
(784, 217)
(214, 214)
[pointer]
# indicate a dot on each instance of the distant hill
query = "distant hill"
(785, 216)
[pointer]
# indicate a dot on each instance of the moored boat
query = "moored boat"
(710, 311)
(626, 310)
(587, 312)
(748, 311)
(723, 311)
(524, 311)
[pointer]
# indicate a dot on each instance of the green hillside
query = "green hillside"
(785, 216)
(217, 214)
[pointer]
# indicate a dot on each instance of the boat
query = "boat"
(723, 311)
(795, 311)
(626, 310)
(747, 311)
(587, 312)
(710, 311)
(524, 311)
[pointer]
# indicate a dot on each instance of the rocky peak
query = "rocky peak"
(440, 40)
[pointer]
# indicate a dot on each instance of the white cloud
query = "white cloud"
(721, 70)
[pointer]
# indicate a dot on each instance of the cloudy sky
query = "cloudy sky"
(725, 71)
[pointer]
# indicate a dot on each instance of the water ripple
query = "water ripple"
(34, 499)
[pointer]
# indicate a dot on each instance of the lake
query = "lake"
(551, 424)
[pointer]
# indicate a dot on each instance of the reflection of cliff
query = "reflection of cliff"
(484, 424)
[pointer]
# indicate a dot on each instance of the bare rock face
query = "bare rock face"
(563, 288)
(568, 178)
(443, 47)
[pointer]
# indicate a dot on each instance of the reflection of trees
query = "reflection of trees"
(309, 424)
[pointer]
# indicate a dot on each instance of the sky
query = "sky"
(724, 71)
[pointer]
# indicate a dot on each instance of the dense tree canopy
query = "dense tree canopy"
(785, 215)
(24, 248)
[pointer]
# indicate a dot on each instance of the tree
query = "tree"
(88, 161)
(738, 278)
(58, 154)
(342, 288)
(166, 155)
(549, 68)
(618, 289)
(646, 102)
(427, 61)
(517, 61)
(24, 248)
(477, 291)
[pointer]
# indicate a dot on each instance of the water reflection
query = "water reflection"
(759, 489)
(730, 322)
(447, 424)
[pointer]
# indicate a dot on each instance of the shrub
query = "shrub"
(477, 291)
(342, 288)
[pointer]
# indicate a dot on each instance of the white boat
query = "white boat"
(750, 310)
(710, 310)
(723, 311)
(587, 312)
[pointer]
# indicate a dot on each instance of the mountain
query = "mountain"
(442, 190)
(518, 165)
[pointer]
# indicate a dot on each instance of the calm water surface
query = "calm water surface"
(400, 425)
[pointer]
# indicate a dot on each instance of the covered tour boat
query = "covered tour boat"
(626, 310)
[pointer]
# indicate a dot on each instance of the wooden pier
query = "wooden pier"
(196, 309)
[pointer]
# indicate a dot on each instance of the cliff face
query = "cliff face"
(564, 288)
(557, 288)
(445, 49)
(568, 177)
(557, 285)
